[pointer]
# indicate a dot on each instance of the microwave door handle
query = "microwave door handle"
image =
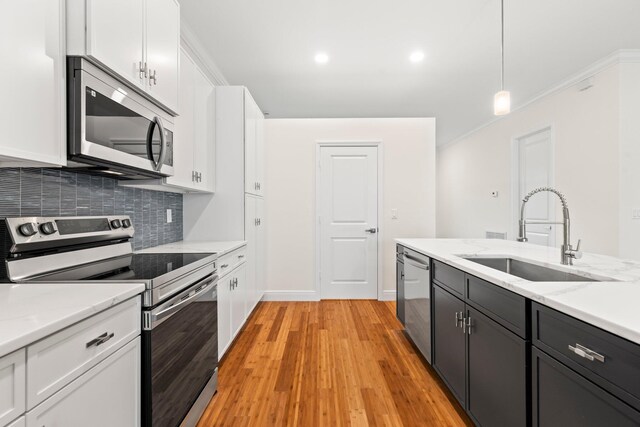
(163, 143)
(152, 127)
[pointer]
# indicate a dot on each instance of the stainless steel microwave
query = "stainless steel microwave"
(114, 130)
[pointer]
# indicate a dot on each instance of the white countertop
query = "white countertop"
(610, 305)
(32, 311)
(219, 248)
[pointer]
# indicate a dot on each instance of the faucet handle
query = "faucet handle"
(575, 253)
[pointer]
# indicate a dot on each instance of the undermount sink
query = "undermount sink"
(529, 271)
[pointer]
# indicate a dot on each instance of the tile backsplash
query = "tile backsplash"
(56, 192)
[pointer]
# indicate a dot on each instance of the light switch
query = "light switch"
(394, 213)
(169, 216)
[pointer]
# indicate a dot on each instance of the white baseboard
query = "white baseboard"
(290, 296)
(388, 295)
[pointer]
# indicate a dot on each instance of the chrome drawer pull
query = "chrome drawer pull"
(468, 324)
(100, 340)
(224, 266)
(240, 256)
(586, 353)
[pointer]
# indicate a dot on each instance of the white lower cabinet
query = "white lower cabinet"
(239, 294)
(107, 395)
(235, 300)
(12, 386)
(224, 315)
(88, 374)
(254, 235)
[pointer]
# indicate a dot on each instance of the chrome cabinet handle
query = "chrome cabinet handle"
(586, 353)
(100, 340)
(224, 266)
(153, 77)
(468, 325)
(459, 319)
(240, 256)
(142, 69)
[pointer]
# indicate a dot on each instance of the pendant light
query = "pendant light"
(502, 99)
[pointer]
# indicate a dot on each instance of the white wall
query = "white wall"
(597, 158)
(629, 231)
(408, 185)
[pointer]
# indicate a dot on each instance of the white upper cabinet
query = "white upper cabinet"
(183, 153)
(32, 83)
(163, 50)
(138, 40)
(204, 130)
(253, 146)
(115, 36)
(194, 138)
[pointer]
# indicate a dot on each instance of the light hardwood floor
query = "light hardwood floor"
(328, 363)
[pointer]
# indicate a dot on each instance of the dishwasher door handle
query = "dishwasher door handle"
(415, 262)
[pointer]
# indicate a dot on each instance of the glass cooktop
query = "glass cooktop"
(132, 267)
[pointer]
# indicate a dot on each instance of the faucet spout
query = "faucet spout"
(567, 253)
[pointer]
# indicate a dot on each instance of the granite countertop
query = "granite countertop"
(32, 311)
(611, 304)
(220, 248)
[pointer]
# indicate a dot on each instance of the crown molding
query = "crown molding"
(622, 56)
(198, 52)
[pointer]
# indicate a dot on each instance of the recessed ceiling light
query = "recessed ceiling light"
(416, 56)
(322, 58)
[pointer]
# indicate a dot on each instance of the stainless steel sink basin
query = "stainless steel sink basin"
(528, 271)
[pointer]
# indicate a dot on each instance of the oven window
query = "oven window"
(182, 355)
(111, 124)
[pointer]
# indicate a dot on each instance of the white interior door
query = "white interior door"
(535, 169)
(348, 215)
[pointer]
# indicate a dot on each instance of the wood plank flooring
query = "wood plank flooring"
(328, 363)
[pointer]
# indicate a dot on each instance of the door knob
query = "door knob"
(371, 230)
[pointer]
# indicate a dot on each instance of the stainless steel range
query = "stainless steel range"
(179, 318)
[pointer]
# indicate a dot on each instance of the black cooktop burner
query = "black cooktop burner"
(130, 268)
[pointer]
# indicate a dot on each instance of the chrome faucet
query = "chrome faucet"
(567, 252)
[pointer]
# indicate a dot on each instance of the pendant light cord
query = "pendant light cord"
(502, 44)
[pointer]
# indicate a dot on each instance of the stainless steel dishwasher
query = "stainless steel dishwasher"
(417, 300)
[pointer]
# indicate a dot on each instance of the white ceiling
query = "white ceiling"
(269, 47)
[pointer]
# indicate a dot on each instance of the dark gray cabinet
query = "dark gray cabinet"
(400, 299)
(496, 372)
(478, 350)
(449, 341)
(561, 397)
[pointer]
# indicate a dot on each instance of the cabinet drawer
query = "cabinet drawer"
(561, 397)
(12, 384)
(107, 395)
(231, 260)
(619, 370)
(503, 306)
(449, 277)
(59, 359)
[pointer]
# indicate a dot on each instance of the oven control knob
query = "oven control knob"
(48, 228)
(126, 223)
(116, 223)
(28, 229)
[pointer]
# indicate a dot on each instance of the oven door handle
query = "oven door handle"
(183, 300)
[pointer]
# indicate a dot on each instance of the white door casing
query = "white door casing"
(348, 207)
(534, 168)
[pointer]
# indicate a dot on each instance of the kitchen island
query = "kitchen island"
(528, 352)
